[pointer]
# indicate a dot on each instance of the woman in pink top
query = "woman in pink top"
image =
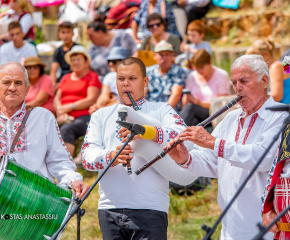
(204, 84)
(41, 91)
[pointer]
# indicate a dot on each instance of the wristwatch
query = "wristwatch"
(73, 106)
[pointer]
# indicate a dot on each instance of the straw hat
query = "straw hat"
(32, 61)
(76, 49)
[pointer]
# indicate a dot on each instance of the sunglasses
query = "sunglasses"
(32, 67)
(156, 24)
(114, 61)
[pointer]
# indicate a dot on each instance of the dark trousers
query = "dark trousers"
(70, 132)
(133, 224)
(194, 12)
(193, 114)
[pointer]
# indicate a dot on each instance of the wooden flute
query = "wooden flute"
(203, 124)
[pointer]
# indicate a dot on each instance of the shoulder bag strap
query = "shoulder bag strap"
(28, 111)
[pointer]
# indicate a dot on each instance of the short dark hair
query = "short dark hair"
(155, 16)
(14, 25)
(97, 26)
(67, 25)
(132, 60)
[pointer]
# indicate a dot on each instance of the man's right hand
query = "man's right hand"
(124, 155)
(179, 154)
(268, 218)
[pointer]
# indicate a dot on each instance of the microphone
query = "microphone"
(145, 131)
(282, 107)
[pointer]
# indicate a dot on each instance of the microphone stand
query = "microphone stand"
(79, 202)
(209, 231)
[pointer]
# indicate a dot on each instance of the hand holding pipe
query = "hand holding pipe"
(203, 124)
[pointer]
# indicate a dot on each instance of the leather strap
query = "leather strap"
(284, 227)
(28, 111)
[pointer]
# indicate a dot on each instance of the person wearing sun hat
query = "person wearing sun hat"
(77, 91)
(41, 91)
(166, 80)
(109, 94)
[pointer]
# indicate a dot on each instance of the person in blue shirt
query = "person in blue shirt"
(166, 80)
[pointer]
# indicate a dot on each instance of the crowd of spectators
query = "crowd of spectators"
(87, 79)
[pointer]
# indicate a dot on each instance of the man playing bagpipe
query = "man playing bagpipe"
(130, 206)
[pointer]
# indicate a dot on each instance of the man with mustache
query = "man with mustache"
(235, 146)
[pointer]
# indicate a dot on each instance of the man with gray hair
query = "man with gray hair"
(40, 147)
(235, 146)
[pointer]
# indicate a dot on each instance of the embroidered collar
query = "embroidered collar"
(18, 113)
(140, 102)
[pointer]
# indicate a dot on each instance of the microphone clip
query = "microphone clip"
(134, 128)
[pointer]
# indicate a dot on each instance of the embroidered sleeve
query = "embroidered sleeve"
(95, 156)
(173, 125)
(269, 180)
(58, 159)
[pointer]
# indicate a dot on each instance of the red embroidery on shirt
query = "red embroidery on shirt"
(15, 122)
(159, 135)
(173, 134)
(89, 166)
(221, 148)
(190, 161)
(99, 166)
(252, 122)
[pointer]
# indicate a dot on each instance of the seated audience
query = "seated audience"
(109, 93)
(166, 80)
(148, 7)
(204, 84)
(40, 91)
(18, 49)
(21, 11)
(76, 93)
(195, 34)
(280, 83)
(102, 43)
(121, 16)
(65, 33)
(157, 26)
(195, 9)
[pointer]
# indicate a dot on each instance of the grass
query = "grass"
(186, 214)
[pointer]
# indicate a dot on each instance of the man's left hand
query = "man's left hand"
(80, 188)
(124, 132)
(199, 136)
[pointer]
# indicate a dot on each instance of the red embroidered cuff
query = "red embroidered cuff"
(221, 148)
(159, 135)
(108, 158)
(187, 164)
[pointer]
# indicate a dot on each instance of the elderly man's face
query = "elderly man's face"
(246, 84)
(12, 86)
